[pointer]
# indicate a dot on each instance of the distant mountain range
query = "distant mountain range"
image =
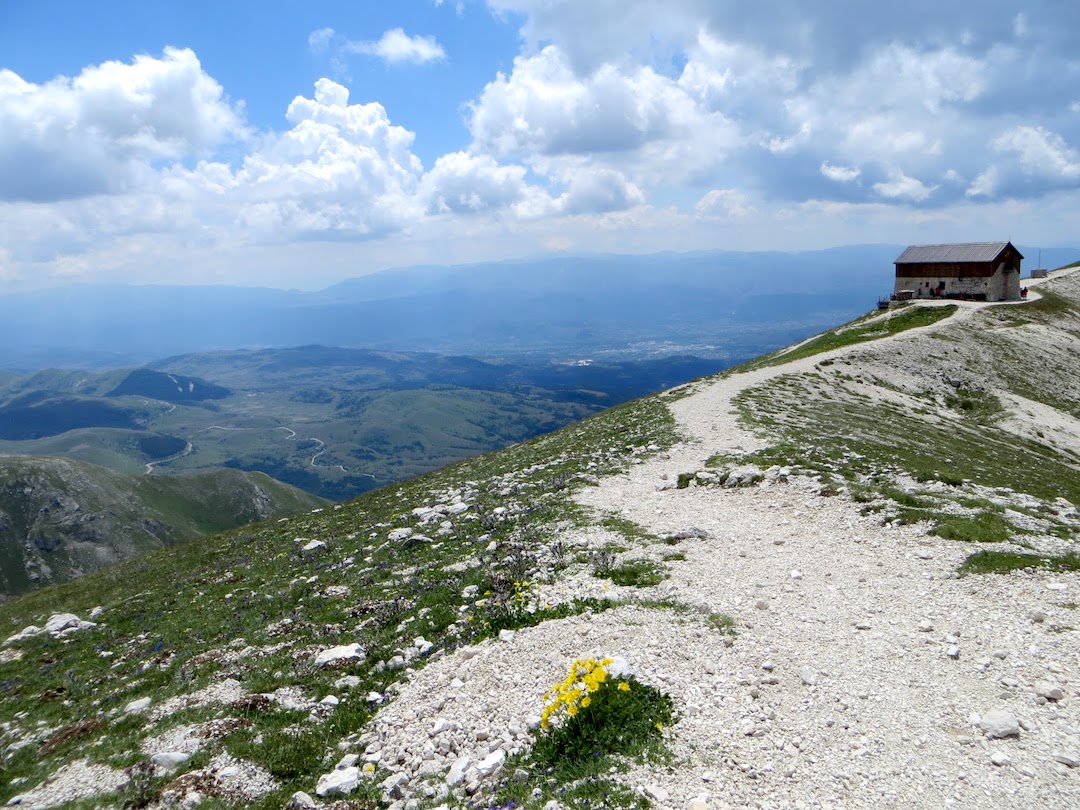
(722, 304)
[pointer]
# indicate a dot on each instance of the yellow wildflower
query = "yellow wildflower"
(585, 701)
(624, 687)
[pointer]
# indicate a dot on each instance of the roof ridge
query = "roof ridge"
(961, 244)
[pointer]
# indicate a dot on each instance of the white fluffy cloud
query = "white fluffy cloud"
(543, 108)
(900, 186)
(99, 131)
(841, 174)
(653, 122)
(1027, 160)
(340, 169)
(630, 120)
(1042, 153)
(464, 183)
(798, 101)
(396, 46)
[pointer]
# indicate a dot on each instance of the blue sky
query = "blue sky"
(294, 144)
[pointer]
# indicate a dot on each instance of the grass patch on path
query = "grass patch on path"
(1002, 562)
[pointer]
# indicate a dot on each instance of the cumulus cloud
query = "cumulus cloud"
(340, 169)
(985, 185)
(395, 46)
(627, 119)
(1027, 161)
(900, 186)
(783, 88)
(599, 191)
(460, 182)
(767, 117)
(543, 107)
(97, 132)
(1041, 152)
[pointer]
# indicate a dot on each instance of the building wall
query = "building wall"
(1003, 285)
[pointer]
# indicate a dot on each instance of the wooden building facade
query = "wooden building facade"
(979, 271)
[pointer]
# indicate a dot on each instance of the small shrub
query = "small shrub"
(557, 553)
(603, 563)
(592, 715)
(637, 574)
(722, 622)
(141, 788)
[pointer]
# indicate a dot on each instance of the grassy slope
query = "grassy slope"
(884, 425)
(88, 516)
(166, 610)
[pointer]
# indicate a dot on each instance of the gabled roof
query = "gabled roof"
(963, 252)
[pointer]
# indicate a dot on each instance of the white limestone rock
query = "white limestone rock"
(744, 476)
(656, 793)
(339, 782)
(1050, 691)
(457, 772)
(299, 801)
(170, 759)
(998, 724)
(59, 622)
(491, 763)
(25, 633)
(339, 653)
(140, 705)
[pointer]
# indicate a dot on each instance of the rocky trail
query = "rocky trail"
(863, 673)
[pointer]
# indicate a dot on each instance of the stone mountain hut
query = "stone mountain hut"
(976, 271)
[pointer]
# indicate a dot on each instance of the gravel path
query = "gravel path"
(863, 673)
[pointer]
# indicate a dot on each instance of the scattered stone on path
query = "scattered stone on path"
(998, 724)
